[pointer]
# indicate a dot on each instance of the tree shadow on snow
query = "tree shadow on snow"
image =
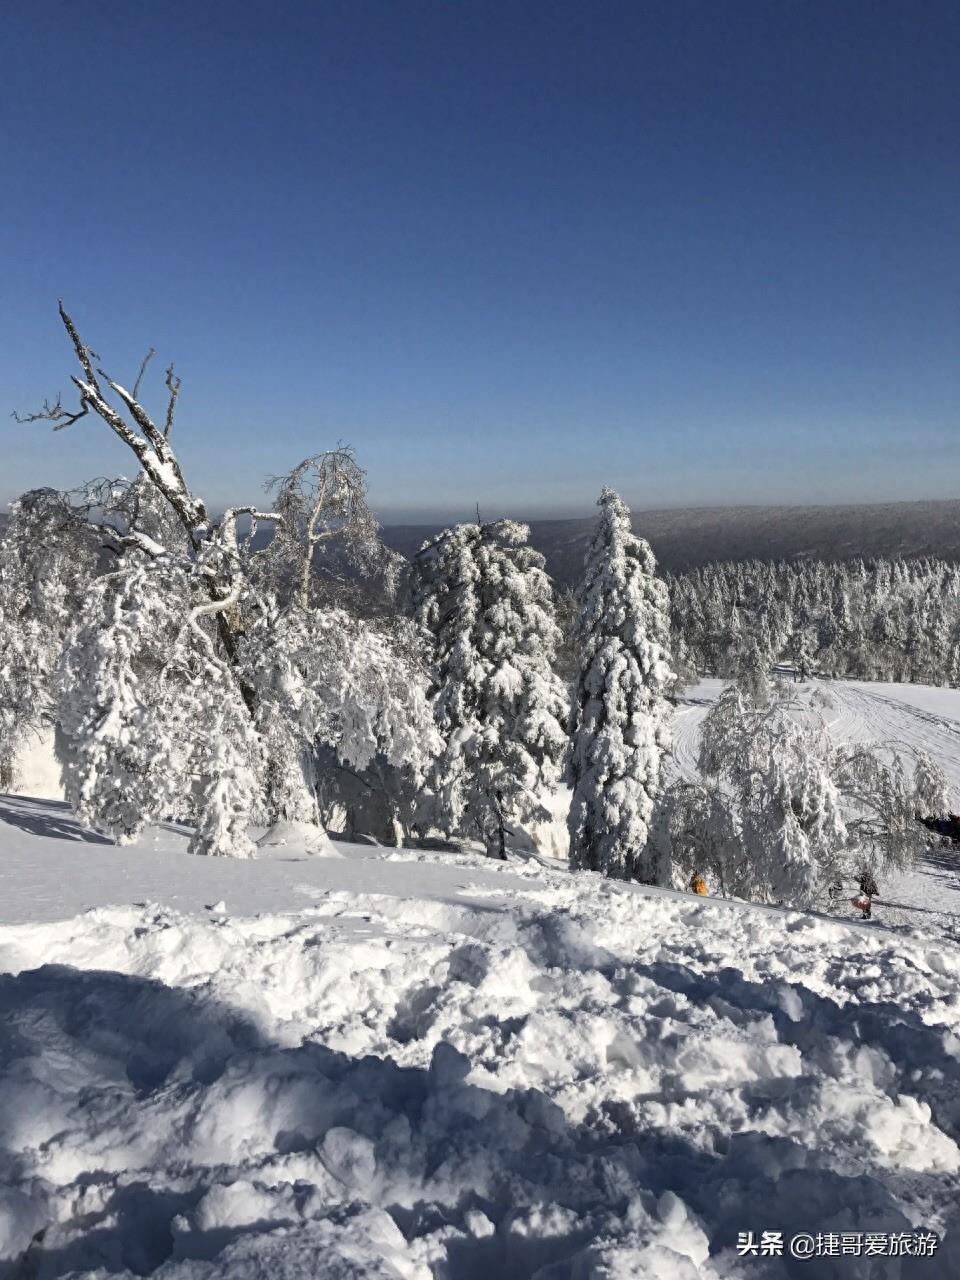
(117, 1059)
(943, 859)
(51, 818)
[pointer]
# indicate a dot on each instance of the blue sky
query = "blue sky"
(705, 252)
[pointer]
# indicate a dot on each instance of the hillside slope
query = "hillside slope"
(688, 537)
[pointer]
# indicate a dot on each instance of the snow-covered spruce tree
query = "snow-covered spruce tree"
(891, 619)
(620, 721)
(483, 595)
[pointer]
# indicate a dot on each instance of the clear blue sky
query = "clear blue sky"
(706, 252)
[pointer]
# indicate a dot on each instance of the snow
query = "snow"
(435, 1066)
(52, 869)
(36, 770)
(287, 835)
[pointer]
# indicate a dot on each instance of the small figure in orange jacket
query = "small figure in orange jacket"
(697, 883)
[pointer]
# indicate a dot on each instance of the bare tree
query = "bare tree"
(327, 547)
(214, 546)
(323, 501)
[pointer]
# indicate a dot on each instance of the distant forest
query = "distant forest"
(688, 538)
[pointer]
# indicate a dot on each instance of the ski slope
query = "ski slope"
(916, 716)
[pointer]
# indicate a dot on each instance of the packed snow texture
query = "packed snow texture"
(427, 1065)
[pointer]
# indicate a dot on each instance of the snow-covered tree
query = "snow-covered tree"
(48, 557)
(326, 549)
(620, 721)
(483, 595)
(334, 691)
(124, 764)
(224, 593)
(212, 546)
(782, 815)
(227, 758)
(886, 620)
(694, 832)
(886, 787)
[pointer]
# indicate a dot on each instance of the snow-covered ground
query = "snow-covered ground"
(437, 1067)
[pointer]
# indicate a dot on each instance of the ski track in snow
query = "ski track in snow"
(913, 715)
(432, 1067)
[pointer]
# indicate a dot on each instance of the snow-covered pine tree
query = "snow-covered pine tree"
(620, 721)
(483, 595)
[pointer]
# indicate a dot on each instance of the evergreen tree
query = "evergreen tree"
(483, 595)
(620, 717)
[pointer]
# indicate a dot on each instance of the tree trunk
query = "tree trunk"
(501, 828)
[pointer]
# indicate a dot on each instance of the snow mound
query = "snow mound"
(554, 1077)
(296, 840)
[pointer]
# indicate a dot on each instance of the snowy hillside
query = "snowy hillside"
(419, 1065)
(855, 711)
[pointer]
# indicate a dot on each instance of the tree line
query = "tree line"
(864, 620)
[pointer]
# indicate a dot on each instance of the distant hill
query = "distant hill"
(691, 536)
(687, 537)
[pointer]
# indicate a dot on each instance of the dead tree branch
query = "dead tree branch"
(143, 368)
(173, 386)
(54, 413)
